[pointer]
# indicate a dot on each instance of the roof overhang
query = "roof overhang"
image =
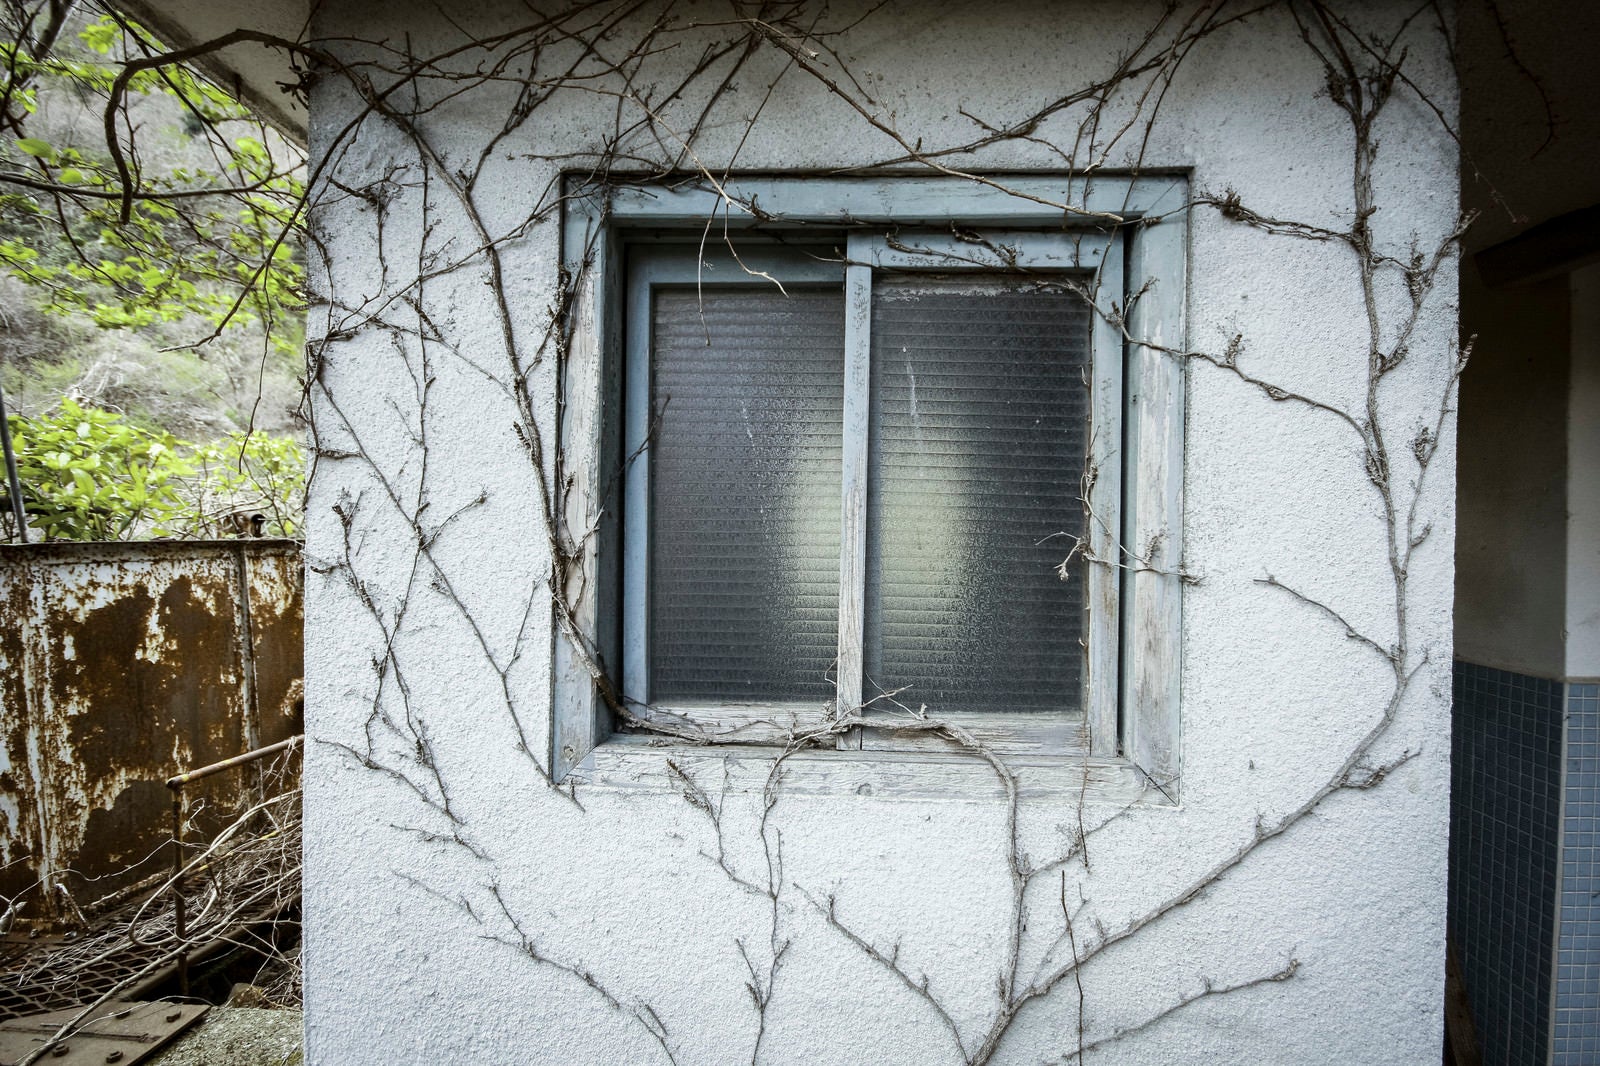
(1557, 246)
(256, 74)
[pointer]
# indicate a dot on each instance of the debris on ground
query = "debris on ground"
(238, 1036)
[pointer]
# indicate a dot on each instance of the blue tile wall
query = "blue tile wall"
(1505, 810)
(1576, 1039)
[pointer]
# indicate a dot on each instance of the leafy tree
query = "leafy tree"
(244, 474)
(148, 203)
(129, 238)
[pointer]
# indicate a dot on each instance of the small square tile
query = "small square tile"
(1506, 749)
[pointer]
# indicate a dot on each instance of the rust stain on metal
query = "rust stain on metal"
(122, 665)
(19, 814)
(277, 613)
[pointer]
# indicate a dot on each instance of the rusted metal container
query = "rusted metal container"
(121, 665)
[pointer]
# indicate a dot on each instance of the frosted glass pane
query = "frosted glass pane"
(744, 494)
(977, 451)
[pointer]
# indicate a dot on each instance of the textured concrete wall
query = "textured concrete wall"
(1274, 695)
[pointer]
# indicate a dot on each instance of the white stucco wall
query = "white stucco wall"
(401, 963)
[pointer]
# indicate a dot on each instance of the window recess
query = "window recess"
(861, 453)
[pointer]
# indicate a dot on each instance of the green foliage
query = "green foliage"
(244, 474)
(89, 474)
(225, 257)
(209, 251)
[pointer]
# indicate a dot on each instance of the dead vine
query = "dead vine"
(448, 206)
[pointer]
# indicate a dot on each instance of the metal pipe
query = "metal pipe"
(247, 659)
(179, 780)
(11, 472)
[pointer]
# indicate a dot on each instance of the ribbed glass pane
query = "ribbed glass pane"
(744, 494)
(979, 428)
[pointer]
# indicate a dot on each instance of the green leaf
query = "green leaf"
(35, 147)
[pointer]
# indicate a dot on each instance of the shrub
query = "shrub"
(89, 474)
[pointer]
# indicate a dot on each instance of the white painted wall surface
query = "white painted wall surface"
(1273, 694)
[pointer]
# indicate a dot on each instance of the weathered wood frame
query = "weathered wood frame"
(1142, 220)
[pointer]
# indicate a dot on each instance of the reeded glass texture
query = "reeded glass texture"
(745, 478)
(980, 409)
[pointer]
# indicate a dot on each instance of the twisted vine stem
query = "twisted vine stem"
(585, 50)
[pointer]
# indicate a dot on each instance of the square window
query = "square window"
(905, 446)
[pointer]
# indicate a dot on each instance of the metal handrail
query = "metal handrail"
(177, 781)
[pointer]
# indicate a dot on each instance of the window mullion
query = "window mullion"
(1103, 505)
(636, 495)
(853, 479)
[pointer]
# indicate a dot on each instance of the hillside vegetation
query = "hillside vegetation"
(150, 362)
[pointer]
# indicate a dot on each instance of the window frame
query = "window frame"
(1133, 722)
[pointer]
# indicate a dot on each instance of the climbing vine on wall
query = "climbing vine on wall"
(444, 300)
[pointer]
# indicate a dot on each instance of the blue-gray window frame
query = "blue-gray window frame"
(1131, 232)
